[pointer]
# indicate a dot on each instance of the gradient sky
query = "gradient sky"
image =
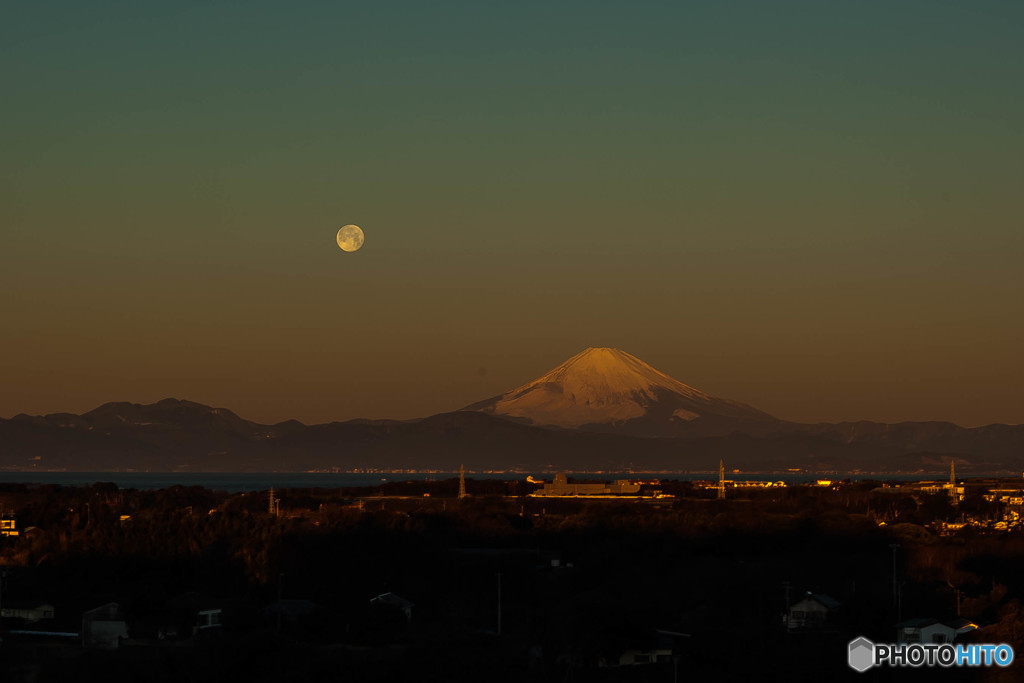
(812, 207)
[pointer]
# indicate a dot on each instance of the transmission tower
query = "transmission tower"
(275, 504)
(721, 480)
(462, 482)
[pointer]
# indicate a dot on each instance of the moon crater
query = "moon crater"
(350, 238)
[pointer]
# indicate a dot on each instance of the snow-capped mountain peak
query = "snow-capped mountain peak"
(609, 388)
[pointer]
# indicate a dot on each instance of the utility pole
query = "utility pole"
(721, 480)
(499, 603)
(952, 483)
(462, 482)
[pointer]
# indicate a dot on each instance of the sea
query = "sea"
(242, 482)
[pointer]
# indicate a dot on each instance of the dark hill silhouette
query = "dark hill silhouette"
(173, 435)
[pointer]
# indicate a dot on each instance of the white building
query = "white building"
(104, 627)
(927, 631)
(812, 611)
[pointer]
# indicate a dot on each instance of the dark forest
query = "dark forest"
(409, 582)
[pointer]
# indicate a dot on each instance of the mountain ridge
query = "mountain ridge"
(480, 441)
(601, 409)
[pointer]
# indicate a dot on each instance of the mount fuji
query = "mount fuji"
(597, 410)
(609, 390)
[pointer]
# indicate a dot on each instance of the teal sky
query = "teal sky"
(812, 207)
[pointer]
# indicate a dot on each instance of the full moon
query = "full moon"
(350, 238)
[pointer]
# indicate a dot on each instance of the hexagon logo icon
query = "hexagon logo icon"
(861, 654)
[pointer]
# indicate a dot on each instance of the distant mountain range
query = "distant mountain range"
(603, 409)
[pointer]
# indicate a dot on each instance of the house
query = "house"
(927, 631)
(649, 646)
(29, 611)
(553, 561)
(290, 615)
(660, 651)
(1006, 496)
(397, 602)
(209, 619)
(291, 610)
(813, 611)
(104, 626)
(184, 615)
